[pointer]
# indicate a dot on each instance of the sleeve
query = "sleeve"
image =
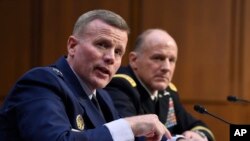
(124, 96)
(120, 130)
(187, 121)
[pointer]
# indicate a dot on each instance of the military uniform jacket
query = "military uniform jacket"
(49, 104)
(131, 98)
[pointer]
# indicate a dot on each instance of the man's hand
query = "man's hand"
(148, 126)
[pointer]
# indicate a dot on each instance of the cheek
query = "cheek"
(153, 67)
(172, 74)
(144, 65)
(117, 64)
(90, 54)
(173, 68)
(86, 59)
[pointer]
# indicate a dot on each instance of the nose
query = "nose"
(166, 65)
(109, 56)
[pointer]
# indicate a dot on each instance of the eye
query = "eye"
(119, 52)
(172, 59)
(158, 58)
(103, 45)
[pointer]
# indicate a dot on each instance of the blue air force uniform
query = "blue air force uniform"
(49, 104)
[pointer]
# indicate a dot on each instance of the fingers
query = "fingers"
(193, 135)
(167, 133)
(163, 131)
(187, 134)
(148, 126)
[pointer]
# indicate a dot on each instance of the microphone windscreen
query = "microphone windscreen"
(232, 98)
(200, 109)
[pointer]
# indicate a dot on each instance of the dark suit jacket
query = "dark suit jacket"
(131, 98)
(49, 104)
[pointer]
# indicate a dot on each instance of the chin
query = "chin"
(102, 85)
(97, 85)
(161, 87)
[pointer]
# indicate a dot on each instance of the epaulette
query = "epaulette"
(172, 87)
(127, 77)
(202, 128)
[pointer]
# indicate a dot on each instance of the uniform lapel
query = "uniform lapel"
(148, 105)
(72, 81)
(163, 107)
(106, 105)
(92, 113)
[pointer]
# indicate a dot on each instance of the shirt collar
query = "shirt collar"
(154, 95)
(84, 86)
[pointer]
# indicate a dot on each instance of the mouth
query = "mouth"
(103, 71)
(162, 77)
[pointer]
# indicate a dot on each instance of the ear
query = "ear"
(71, 45)
(132, 59)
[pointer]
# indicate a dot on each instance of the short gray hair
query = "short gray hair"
(106, 16)
(140, 39)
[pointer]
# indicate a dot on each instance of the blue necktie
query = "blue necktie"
(97, 105)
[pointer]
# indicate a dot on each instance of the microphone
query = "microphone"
(236, 99)
(237, 132)
(202, 110)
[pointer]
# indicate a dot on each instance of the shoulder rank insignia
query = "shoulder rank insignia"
(127, 77)
(79, 122)
(172, 87)
(57, 71)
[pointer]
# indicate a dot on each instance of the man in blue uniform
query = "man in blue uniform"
(54, 103)
(144, 86)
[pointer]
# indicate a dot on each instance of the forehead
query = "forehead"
(159, 42)
(98, 30)
(100, 27)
